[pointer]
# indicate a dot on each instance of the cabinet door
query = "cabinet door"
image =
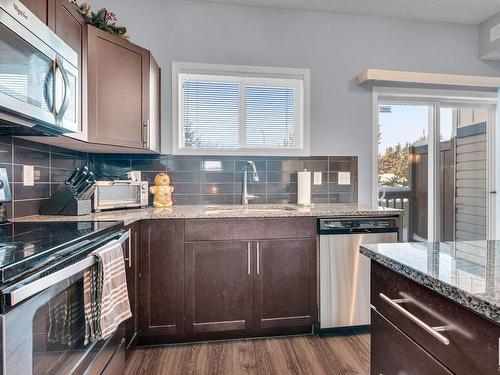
(161, 280)
(218, 288)
(38, 7)
(285, 283)
(117, 105)
(392, 352)
(131, 270)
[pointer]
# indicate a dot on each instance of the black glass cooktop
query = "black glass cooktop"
(28, 245)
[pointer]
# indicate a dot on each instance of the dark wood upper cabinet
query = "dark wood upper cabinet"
(285, 283)
(119, 83)
(219, 294)
(162, 280)
(132, 273)
(122, 109)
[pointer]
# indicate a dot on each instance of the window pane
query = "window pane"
(463, 174)
(211, 114)
(270, 116)
(403, 165)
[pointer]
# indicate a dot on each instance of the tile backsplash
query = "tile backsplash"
(197, 180)
(218, 180)
(51, 166)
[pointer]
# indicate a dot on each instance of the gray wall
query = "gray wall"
(488, 49)
(335, 47)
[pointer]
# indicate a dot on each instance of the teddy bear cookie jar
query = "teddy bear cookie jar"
(162, 191)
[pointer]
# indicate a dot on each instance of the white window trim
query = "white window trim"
(436, 98)
(261, 72)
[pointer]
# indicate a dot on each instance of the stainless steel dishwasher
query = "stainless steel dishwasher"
(344, 272)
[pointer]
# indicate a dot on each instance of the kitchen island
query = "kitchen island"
(435, 307)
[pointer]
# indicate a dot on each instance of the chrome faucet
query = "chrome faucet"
(255, 178)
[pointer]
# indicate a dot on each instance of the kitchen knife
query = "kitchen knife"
(88, 191)
(83, 170)
(79, 180)
(84, 189)
(72, 176)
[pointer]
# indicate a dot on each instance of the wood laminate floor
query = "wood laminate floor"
(330, 355)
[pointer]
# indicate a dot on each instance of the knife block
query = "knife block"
(63, 202)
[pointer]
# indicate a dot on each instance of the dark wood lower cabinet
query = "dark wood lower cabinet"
(218, 290)
(196, 287)
(285, 284)
(394, 353)
(162, 281)
(469, 343)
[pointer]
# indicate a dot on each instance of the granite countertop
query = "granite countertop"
(221, 211)
(466, 272)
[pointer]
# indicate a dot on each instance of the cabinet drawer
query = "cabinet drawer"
(465, 342)
(392, 352)
(249, 229)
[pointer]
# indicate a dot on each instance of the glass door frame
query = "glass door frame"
(435, 99)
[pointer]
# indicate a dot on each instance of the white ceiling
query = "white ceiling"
(459, 11)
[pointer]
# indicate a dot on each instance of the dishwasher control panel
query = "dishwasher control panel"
(356, 225)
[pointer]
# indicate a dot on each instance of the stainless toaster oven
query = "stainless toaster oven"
(116, 194)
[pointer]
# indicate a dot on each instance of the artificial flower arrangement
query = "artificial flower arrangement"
(102, 19)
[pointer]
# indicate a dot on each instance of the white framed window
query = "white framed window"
(239, 110)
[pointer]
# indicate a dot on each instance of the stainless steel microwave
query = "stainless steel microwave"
(38, 76)
(120, 194)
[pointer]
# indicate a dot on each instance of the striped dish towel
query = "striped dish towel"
(105, 293)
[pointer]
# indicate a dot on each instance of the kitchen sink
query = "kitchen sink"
(221, 209)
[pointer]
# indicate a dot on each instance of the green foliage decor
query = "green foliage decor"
(102, 19)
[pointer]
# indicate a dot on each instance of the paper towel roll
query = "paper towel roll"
(304, 187)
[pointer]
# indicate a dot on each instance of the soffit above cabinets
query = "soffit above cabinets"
(422, 78)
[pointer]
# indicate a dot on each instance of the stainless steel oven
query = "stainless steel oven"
(43, 325)
(38, 76)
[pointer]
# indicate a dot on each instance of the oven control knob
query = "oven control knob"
(143, 187)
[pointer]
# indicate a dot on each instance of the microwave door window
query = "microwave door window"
(25, 72)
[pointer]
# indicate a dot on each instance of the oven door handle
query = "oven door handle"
(17, 294)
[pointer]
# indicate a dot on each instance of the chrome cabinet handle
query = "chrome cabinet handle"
(432, 330)
(129, 251)
(145, 134)
(258, 258)
(249, 260)
(65, 103)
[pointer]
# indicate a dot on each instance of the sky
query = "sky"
(406, 123)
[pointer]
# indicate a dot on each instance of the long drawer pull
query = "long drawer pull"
(249, 262)
(433, 331)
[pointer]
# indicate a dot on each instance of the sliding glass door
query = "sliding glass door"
(403, 164)
(434, 163)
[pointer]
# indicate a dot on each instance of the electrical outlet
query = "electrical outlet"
(344, 178)
(28, 175)
(318, 178)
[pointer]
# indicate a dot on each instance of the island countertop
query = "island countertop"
(466, 272)
(130, 216)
